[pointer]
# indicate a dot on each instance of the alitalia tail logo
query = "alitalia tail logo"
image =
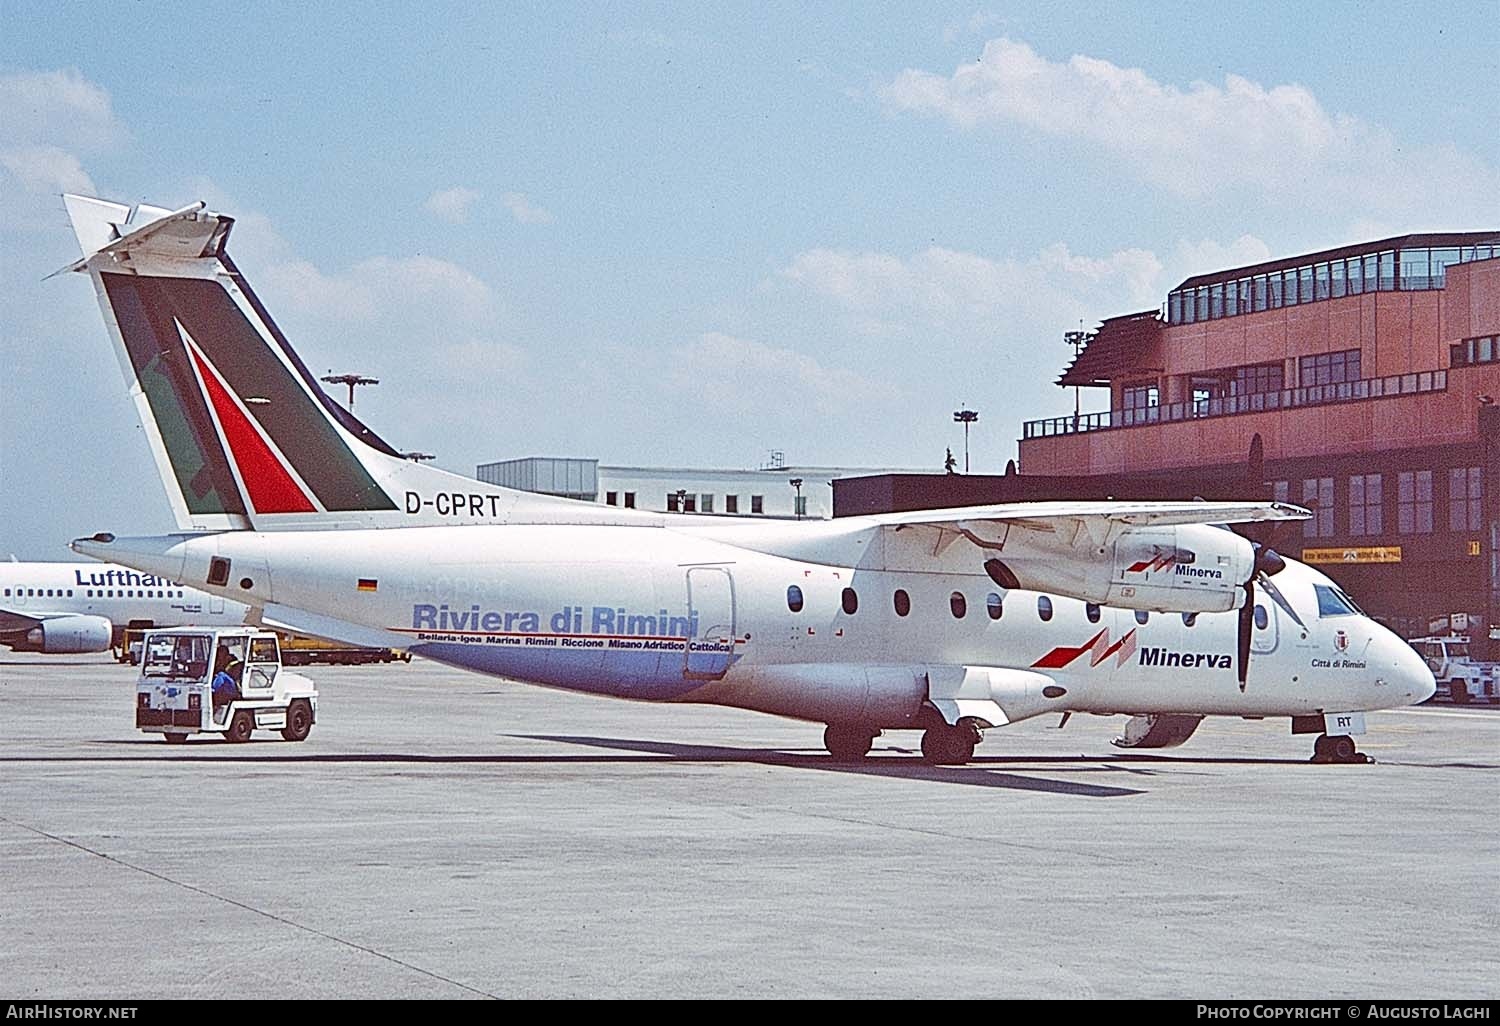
(1098, 649)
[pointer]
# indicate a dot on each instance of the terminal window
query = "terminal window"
(1365, 514)
(630, 500)
(706, 503)
(1465, 490)
(1414, 502)
(731, 504)
(757, 503)
(610, 497)
(1329, 368)
(1317, 495)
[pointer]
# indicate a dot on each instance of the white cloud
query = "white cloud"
(47, 169)
(49, 118)
(523, 210)
(451, 205)
(1203, 138)
(951, 289)
(58, 108)
(768, 377)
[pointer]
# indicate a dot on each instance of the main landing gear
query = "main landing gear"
(945, 745)
(942, 744)
(848, 744)
(1337, 748)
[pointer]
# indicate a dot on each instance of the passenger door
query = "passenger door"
(710, 648)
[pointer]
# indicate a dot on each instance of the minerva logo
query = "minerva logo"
(1198, 571)
(1168, 657)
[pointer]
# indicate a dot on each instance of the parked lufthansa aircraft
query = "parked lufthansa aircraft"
(947, 621)
(85, 607)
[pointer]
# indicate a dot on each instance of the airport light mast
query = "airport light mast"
(796, 483)
(351, 380)
(1077, 339)
(965, 417)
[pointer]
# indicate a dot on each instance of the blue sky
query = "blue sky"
(690, 234)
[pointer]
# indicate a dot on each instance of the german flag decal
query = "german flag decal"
(367, 584)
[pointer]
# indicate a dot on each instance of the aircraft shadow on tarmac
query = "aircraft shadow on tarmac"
(886, 761)
(890, 761)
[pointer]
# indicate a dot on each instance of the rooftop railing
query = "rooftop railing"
(1251, 402)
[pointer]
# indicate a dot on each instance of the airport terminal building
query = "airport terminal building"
(775, 490)
(1362, 382)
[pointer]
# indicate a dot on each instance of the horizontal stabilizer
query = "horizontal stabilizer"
(119, 232)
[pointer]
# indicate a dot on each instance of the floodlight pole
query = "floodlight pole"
(965, 417)
(351, 380)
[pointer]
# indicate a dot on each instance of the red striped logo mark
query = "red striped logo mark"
(265, 476)
(1099, 648)
(1159, 563)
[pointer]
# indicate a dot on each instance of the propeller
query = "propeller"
(1267, 564)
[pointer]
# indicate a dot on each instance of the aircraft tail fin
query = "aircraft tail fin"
(242, 434)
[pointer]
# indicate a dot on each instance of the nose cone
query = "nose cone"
(1411, 677)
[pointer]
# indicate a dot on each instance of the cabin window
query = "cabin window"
(958, 604)
(994, 605)
(1044, 607)
(1141, 616)
(1262, 620)
(794, 599)
(1091, 610)
(902, 602)
(850, 601)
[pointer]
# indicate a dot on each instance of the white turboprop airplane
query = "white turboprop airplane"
(948, 621)
(84, 607)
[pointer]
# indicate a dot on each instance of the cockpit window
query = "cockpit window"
(1332, 602)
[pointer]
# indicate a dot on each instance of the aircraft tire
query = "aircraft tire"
(1342, 749)
(174, 739)
(847, 744)
(240, 728)
(948, 746)
(298, 721)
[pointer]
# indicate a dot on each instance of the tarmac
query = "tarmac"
(445, 835)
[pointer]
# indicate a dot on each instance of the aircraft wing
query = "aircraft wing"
(12, 622)
(1096, 517)
(1165, 556)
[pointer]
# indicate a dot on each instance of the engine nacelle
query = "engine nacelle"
(1181, 569)
(69, 635)
(1158, 730)
(875, 696)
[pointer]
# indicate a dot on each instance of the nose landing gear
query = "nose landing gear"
(1337, 748)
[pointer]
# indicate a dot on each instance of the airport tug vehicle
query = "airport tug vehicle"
(230, 681)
